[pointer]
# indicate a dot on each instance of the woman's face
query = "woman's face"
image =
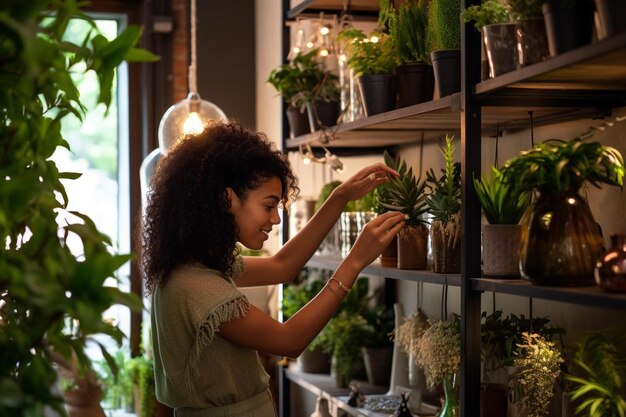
(258, 213)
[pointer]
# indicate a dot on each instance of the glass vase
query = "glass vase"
(610, 270)
(451, 405)
(560, 240)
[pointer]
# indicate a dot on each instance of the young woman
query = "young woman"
(210, 192)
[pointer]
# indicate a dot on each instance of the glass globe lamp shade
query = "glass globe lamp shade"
(187, 117)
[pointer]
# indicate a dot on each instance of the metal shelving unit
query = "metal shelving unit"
(584, 83)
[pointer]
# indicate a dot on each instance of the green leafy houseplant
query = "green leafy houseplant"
(43, 284)
(407, 195)
(524, 9)
(408, 29)
(304, 80)
(538, 364)
(597, 376)
(297, 296)
(553, 250)
(501, 202)
(141, 372)
(487, 13)
(444, 202)
(558, 166)
(366, 57)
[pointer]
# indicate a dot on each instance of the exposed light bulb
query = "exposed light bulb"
(374, 39)
(193, 124)
(187, 117)
(306, 160)
(296, 50)
(324, 30)
(309, 44)
(324, 52)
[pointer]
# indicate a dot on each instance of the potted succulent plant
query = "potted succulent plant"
(560, 239)
(444, 202)
(503, 207)
(389, 256)
(44, 285)
(304, 84)
(493, 20)
(407, 195)
(596, 377)
(408, 29)
(444, 38)
(373, 60)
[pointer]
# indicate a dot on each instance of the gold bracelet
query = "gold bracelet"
(341, 285)
(333, 291)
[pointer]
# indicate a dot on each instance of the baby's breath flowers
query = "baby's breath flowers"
(439, 351)
(538, 367)
(409, 332)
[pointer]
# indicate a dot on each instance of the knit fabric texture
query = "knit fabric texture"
(194, 366)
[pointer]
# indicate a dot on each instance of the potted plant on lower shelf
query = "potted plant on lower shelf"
(444, 202)
(503, 207)
(538, 366)
(560, 238)
(378, 349)
(407, 195)
(296, 296)
(596, 377)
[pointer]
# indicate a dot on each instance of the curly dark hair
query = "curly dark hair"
(188, 218)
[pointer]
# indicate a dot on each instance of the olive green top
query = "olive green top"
(194, 366)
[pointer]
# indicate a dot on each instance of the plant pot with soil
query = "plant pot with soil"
(407, 195)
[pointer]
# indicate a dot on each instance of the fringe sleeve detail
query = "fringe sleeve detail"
(235, 308)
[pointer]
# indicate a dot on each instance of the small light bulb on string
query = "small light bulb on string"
(325, 30)
(374, 39)
(191, 115)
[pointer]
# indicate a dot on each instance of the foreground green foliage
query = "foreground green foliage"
(51, 300)
(597, 380)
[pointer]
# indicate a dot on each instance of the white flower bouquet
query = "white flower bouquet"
(438, 351)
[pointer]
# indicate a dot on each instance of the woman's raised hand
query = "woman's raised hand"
(375, 237)
(365, 181)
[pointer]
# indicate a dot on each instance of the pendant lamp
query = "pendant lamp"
(191, 115)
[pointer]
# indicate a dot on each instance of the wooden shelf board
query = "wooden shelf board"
(590, 295)
(598, 66)
(411, 124)
(331, 262)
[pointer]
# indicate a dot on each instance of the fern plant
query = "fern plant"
(408, 29)
(444, 24)
(501, 202)
(444, 199)
(598, 380)
(405, 193)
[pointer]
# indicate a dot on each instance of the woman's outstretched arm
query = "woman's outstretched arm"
(259, 331)
(291, 258)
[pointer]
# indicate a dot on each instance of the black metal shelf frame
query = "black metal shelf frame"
(584, 83)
